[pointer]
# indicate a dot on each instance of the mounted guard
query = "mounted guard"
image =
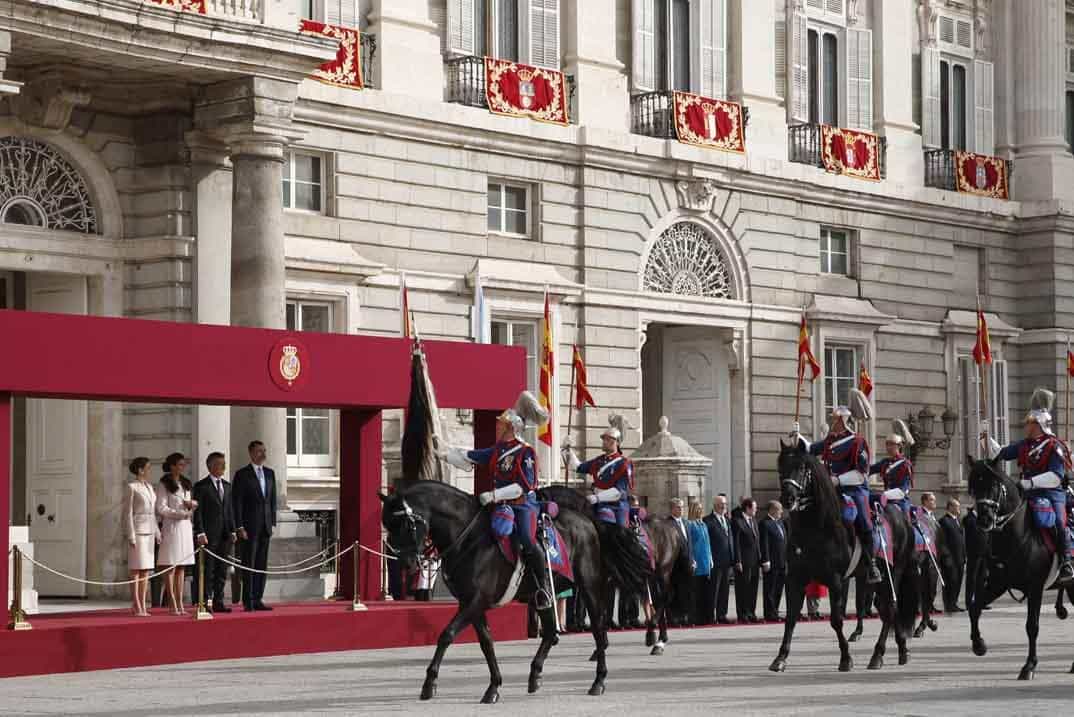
(846, 456)
(513, 465)
(611, 473)
(1044, 461)
(896, 471)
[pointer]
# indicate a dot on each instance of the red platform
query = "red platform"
(108, 639)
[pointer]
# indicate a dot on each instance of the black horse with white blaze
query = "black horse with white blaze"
(821, 549)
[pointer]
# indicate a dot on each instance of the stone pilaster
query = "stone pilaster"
(408, 59)
(7, 87)
(211, 186)
(751, 64)
(589, 55)
(893, 90)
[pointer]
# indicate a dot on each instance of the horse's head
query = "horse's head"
(994, 493)
(795, 476)
(407, 529)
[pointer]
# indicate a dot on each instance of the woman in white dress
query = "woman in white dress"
(142, 533)
(175, 508)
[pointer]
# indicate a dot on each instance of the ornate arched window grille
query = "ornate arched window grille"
(39, 187)
(686, 260)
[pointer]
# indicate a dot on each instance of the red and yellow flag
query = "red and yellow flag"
(404, 306)
(582, 396)
(544, 434)
(805, 354)
(865, 381)
(982, 350)
(1070, 363)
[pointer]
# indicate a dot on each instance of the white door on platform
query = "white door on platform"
(696, 398)
(56, 457)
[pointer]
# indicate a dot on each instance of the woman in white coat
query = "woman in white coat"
(142, 533)
(175, 508)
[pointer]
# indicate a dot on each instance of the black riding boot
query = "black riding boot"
(1066, 570)
(537, 567)
(869, 553)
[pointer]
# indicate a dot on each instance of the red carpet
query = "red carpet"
(75, 642)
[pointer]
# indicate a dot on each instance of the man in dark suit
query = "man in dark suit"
(955, 541)
(679, 520)
(254, 500)
(747, 540)
(722, 542)
(214, 527)
(773, 559)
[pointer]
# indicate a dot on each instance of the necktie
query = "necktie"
(219, 487)
(261, 479)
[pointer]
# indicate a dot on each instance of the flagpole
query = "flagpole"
(1066, 365)
(980, 393)
(570, 414)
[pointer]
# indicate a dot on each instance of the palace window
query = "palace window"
(834, 252)
(303, 182)
(519, 30)
(957, 103)
(346, 13)
(680, 45)
(840, 375)
(524, 333)
(686, 260)
(40, 188)
(508, 209)
(309, 430)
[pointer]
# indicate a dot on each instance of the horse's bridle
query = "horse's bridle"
(802, 500)
(415, 519)
(996, 504)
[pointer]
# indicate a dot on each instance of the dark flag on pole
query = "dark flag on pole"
(422, 431)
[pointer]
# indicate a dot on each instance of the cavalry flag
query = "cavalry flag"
(982, 350)
(865, 381)
(544, 434)
(805, 354)
(404, 306)
(1070, 363)
(582, 395)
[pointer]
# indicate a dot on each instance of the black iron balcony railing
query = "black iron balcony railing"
(940, 169)
(652, 114)
(369, 51)
(466, 83)
(804, 142)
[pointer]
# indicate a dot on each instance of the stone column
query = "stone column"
(1044, 167)
(408, 59)
(258, 282)
(210, 177)
(893, 83)
(589, 55)
(7, 87)
(751, 61)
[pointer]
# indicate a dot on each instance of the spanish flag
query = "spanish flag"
(865, 381)
(544, 434)
(805, 354)
(582, 396)
(1070, 362)
(982, 350)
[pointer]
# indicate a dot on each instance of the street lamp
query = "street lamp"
(922, 426)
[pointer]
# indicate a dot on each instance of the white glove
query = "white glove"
(458, 458)
(568, 441)
(592, 499)
(796, 429)
(1027, 484)
(486, 497)
(508, 492)
(570, 459)
(608, 495)
(894, 494)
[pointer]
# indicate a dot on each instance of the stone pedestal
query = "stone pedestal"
(19, 537)
(666, 467)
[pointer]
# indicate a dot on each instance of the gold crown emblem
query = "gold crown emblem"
(525, 74)
(708, 107)
(290, 366)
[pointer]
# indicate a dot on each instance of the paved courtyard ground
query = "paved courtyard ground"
(705, 671)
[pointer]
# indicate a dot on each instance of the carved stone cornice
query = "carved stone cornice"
(48, 101)
(697, 195)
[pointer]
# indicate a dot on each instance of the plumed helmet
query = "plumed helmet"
(526, 412)
(900, 434)
(859, 406)
(1040, 409)
(617, 427)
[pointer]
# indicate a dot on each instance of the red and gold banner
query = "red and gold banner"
(709, 123)
(195, 6)
(346, 69)
(526, 91)
(850, 152)
(980, 174)
(548, 372)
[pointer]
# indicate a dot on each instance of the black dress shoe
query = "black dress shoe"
(754, 620)
(262, 607)
(724, 621)
(220, 607)
(248, 608)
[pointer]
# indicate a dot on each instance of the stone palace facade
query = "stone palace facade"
(176, 162)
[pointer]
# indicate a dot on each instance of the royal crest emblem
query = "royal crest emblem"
(526, 91)
(290, 364)
(710, 120)
(851, 157)
(982, 176)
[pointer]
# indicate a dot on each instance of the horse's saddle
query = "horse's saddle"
(558, 554)
(646, 541)
(882, 542)
(924, 532)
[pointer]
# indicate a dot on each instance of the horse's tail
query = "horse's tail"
(625, 561)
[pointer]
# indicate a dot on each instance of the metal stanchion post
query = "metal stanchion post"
(18, 617)
(337, 594)
(201, 613)
(356, 600)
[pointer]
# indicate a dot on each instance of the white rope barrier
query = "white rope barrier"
(230, 560)
(379, 554)
(107, 583)
(281, 572)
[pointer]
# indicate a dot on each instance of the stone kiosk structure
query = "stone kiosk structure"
(666, 467)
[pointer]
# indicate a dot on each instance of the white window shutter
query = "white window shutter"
(799, 69)
(781, 59)
(333, 12)
(460, 27)
(860, 79)
(983, 116)
(708, 39)
(542, 18)
(643, 53)
(930, 97)
(348, 13)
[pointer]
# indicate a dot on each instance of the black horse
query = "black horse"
(1016, 559)
(670, 587)
(478, 575)
(820, 548)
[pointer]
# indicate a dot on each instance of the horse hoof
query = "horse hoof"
(1027, 673)
(593, 657)
(535, 684)
(778, 665)
(980, 648)
(876, 663)
(854, 636)
(597, 689)
(492, 696)
(428, 691)
(846, 665)
(904, 657)
(919, 631)
(933, 626)
(1061, 612)
(650, 639)
(657, 650)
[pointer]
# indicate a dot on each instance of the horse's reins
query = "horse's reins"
(1000, 523)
